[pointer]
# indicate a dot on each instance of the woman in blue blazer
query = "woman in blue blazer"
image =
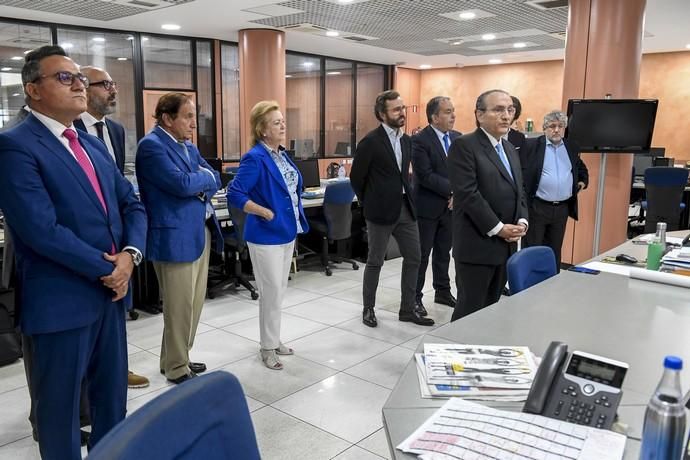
(268, 188)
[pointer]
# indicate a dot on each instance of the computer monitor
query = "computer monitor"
(304, 148)
(641, 163)
(309, 169)
(342, 149)
(663, 161)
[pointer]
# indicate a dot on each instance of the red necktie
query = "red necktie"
(86, 166)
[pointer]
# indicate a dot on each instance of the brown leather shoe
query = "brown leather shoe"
(136, 381)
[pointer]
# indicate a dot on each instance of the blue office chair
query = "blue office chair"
(530, 266)
(336, 222)
(664, 189)
(206, 417)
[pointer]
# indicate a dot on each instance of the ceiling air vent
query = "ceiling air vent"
(358, 38)
(306, 28)
(558, 35)
(548, 4)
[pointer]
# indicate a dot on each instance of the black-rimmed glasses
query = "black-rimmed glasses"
(67, 78)
(108, 85)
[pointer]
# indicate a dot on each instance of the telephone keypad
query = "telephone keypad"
(580, 408)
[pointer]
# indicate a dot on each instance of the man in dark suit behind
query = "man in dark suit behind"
(380, 178)
(489, 210)
(102, 101)
(554, 174)
(432, 197)
(77, 227)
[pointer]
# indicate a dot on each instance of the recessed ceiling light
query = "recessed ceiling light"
(468, 15)
(144, 39)
(130, 37)
(122, 59)
(288, 76)
(344, 1)
(332, 33)
(495, 61)
(457, 43)
(98, 39)
(67, 46)
(688, 46)
(5, 69)
(519, 44)
(170, 27)
(16, 95)
(488, 36)
(425, 66)
(27, 51)
(307, 64)
(333, 73)
(17, 58)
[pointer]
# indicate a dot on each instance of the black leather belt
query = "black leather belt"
(552, 203)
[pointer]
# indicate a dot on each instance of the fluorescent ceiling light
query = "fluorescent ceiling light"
(16, 95)
(495, 61)
(468, 15)
(332, 33)
(98, 39)
(5, 69)
(170, 27)
(344, 1)
(488, 36)
(425, 66)
(122, 59)
(333, 73)
(519, 44)
(67, 46)
(307, 64)
(17, 58)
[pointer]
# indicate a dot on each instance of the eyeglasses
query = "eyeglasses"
(108, 85)
(554, 127)
(67, 78)
(500, 110)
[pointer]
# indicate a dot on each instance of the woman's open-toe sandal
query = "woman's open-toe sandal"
(271, 360)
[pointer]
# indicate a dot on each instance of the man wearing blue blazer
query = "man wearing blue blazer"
(176, 186)
(102, 101)
(78, 230)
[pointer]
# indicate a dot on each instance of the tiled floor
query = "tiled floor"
(331, 391)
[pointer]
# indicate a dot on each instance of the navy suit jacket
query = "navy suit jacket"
(431, 184)
(175, 192)
(116, 132)
(60, 228)
(260, 180)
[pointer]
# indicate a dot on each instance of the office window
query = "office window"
(206, 132)
(167, 62)
(230, 88)
(370, 82)
(338, 108)
(303, 111)
(112, 52)
(17, 39)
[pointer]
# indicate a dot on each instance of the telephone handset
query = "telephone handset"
(577, 387)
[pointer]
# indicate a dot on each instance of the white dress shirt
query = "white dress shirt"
(90, 123)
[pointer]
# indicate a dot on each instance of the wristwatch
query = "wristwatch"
(136, 256)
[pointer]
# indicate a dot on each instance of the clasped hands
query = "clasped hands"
(511, 233)
(118, 280)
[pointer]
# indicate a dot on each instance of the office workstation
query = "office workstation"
(350, 388)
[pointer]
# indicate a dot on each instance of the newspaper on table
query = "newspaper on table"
(462, 429)
(509, 367)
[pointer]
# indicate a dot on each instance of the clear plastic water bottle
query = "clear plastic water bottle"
(664, 420)
(341, 171)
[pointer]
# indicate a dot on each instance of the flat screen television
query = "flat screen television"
(612, 125)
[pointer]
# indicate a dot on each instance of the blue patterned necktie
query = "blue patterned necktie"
(504, 158)
(446, 142)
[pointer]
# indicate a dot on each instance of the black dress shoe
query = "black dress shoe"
(446, 299)
(197, 368)
(415, 317)
(419, 308)
(369, 317)
(182, 378)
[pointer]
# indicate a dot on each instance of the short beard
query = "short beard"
(103, 109)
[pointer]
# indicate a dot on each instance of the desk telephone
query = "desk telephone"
(577, 387)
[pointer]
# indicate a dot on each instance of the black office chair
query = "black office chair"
(234, 252)
(664, 189)
(336, 222)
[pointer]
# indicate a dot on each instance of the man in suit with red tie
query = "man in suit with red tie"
(433, 197)
(78, 230)
(489, 207)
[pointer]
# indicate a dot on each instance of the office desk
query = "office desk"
(634, 321)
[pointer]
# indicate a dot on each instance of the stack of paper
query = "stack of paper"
(478, 372)
(677, 258)
(461, 429)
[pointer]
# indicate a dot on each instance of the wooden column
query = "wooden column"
(602, 56)
(262, 73)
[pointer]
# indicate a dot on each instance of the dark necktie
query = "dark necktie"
(99, 130)
(446, 142)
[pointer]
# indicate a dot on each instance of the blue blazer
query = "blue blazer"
(59, 226)
(175, 192)
(259, 180)
(116, 132)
